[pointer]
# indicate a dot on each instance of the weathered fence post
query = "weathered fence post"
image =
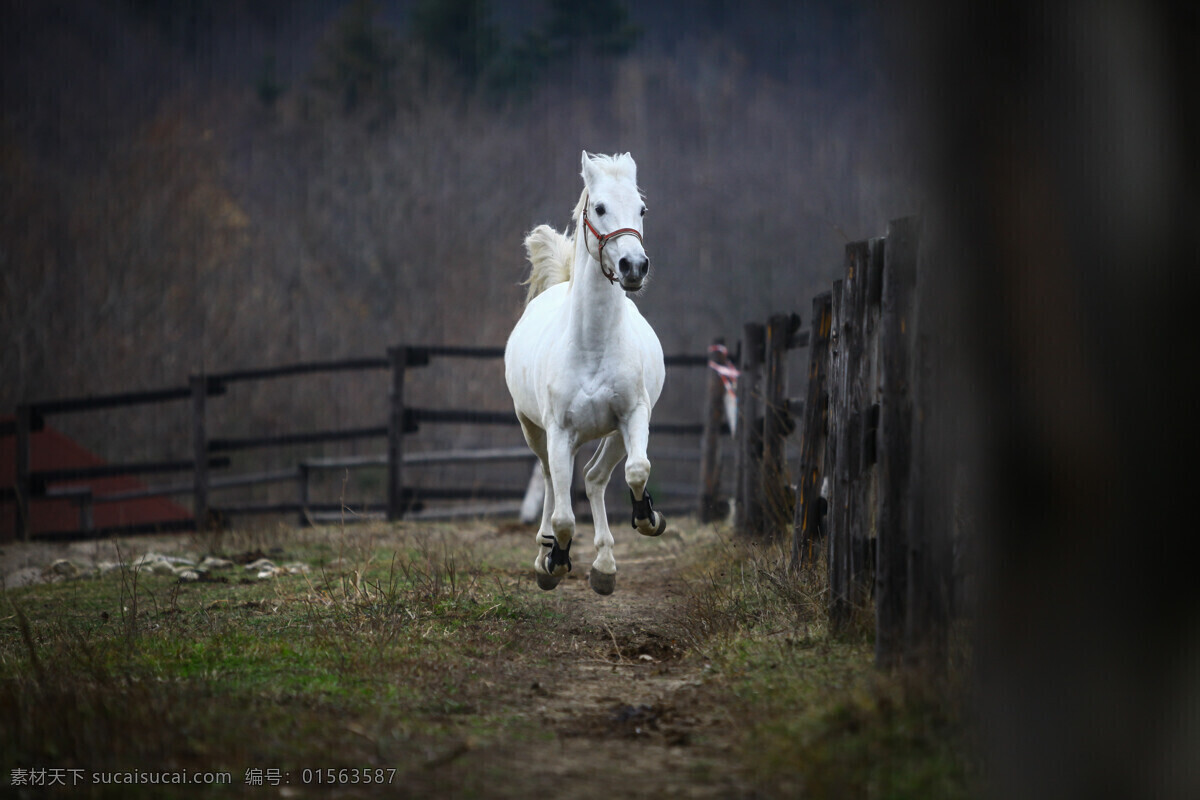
(895, 445)
(861, 269)
(84, 504)
(930, 565)
(22, 487)
(812, 443)
(302, 485)
(864, 521)
(199, 387)
(711, 507)
(399, 357)
(750, 496)
(836, 477)
(775, 479)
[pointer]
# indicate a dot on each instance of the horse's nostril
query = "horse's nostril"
(624, 265)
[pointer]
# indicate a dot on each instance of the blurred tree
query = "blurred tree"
(598, 27)
(593, 29)
(460, 32)
(267, 87)
(356, 63)
(184, 22)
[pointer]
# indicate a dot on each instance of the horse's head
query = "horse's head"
(611, 219)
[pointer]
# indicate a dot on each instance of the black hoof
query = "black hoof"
(646, 520)
(642, 509)
(546, 582)
(602, 582)
(648, 529)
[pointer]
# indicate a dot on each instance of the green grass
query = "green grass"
(815, 718)
(389, 651)
(374, 662)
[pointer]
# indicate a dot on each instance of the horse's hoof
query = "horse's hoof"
(645, 529)
(602, 582)
(646, 520)
(546, 582)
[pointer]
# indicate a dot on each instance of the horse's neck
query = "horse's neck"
(596, 306)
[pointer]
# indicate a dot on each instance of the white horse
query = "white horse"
(583, 364)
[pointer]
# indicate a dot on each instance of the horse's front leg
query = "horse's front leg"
(603, 577)
(636, 433)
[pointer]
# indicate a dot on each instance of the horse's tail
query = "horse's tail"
(550, 255)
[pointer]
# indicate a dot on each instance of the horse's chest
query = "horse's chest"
(595, 406)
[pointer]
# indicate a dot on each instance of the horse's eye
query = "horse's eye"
(643, 211)
(600, 209)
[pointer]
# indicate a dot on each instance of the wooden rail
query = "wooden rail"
(210, 453)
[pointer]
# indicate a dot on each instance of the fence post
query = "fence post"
(85, 511)
(199, 387)
(21, 487)
(895, 446)
(750, 496)
(863, 261)
(812, 443)
(775, 479)
(398, 356)
(930, 591)
(302, 476)
(711, 507)
(837, 457)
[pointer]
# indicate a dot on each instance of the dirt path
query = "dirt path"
(623, 703)
(619, 704)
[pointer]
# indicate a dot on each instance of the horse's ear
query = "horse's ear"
(626, 157)
(589, 169)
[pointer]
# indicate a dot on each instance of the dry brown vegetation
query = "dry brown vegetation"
(204, 229)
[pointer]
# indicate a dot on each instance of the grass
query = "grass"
(362, 661)
(389, 651)
(816, 719)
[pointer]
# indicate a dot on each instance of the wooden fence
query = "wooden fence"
(866, 501)
(210, 453)
(762, 492)
(862, 499)
(864, 492)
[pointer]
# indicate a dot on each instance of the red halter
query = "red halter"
(604, 238)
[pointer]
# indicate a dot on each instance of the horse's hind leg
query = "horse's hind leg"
(546, 543)
(548, 563)
(560, 451)
(603, 577)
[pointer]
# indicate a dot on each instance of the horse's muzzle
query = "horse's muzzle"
(633, 272)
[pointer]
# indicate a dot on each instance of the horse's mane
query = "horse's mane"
(552, 254)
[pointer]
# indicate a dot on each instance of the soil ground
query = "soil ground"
(622, 705)
(628, 705)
